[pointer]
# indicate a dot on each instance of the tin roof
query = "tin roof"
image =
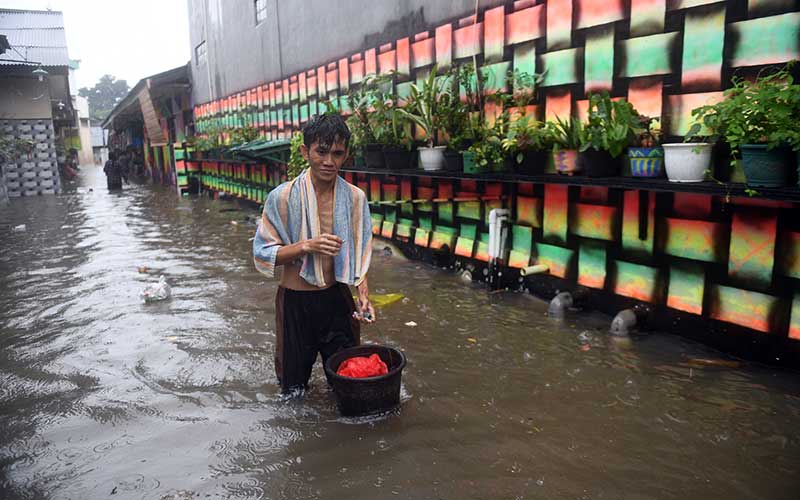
(34, 35)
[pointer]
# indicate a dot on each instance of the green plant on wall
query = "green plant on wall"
(296, 161)
(611, 126)
(243, 135)
(12, 148)
(764, 111)
(565, 133)
(424, 105)
(526, 134)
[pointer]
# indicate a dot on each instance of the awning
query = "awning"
(262, 149)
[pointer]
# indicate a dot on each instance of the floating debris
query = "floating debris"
(411, 323)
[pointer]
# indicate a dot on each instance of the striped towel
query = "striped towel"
(290, 215)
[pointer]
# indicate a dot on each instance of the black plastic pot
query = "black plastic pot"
(765, 168)
(373, 156)
(367, 396)
(396, 157)
(453, 161)
(599, 163)
(533, 162)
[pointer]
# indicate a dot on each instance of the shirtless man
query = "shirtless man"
(318, 228)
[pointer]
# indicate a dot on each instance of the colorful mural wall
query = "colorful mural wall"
(731, 259)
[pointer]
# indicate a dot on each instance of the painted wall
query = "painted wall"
(735, 261)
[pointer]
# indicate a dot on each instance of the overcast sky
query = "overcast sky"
(129, 39)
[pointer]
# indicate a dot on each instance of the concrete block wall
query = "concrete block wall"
(37, 173)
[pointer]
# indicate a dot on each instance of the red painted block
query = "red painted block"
(445, 189)
(301, 86)
(646, 95)
(403, 57)
(558, 102)
(387, 62)
(321, 80)
(422, 51)
(444, 45)
(525, 25)
(594, 194)
(370, 64)
(468, 41)
(691, 206)
(344, 73)
(752, 249)
(597, 12)
(332, 78)
(494, 34)
(559, 24)
(293, 91)
(356, 69)
(260, 97)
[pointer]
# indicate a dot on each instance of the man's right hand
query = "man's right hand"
(324, 244)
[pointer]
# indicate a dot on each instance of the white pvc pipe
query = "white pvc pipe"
(496, 218)
(535, 269)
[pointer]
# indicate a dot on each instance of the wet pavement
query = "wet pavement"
(103, 396)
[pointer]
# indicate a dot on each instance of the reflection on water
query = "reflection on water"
(101, 394)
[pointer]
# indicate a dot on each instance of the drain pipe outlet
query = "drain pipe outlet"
(623, 323)
(560, 304)
(536, 269)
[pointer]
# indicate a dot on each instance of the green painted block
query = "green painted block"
(445, 211)
(703, 45)
(742, 307)
(404, 230)
(636, 281)
(697, 240)
(469, 231)
(404, 90)
(391, 214)
(593, 221)
(521, 238)
(304, 112)
(557, 259)
(686, 287)
(496, 76)
(469, 209)
(647, 55)
(599, 59)
(560, 67)
(525, 58)
(631, 242)
(592, 264)
(426, 223)
(767, 40)
(180, 154)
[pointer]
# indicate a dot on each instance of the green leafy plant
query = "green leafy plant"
(12, 148)
(526, 134)
(611, 126)
(424, 104)
(565, 133)
(296, 163)
(650, 136)
(488, 148)
(525, 87)
(243, 135)
(763, 111)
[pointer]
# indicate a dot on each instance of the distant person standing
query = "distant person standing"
(113, 172)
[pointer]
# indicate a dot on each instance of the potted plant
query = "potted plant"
(526, 142)
(361, 101)
(486, 153)
(566, 138)
(646, 157)
(396, 138)
(456, 116)
(611, 126)
(758, 120)
(423, 109)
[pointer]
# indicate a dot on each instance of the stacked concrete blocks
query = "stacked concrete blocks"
(37, 172)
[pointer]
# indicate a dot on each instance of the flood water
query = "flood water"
(104, 396)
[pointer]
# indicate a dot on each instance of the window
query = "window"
(261, 10)
(200, 53)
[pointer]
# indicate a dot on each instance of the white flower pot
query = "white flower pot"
(683, 164)
(431, 158)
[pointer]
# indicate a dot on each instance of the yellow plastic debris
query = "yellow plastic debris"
(383, 300)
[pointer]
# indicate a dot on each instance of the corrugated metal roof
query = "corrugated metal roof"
(36, 35)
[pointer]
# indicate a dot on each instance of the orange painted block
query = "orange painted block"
(742, 307)
(370, 64)
(444, 45)
(387, 230)
(464, 247)
(422, 237)
(646, 95)
(558, 102)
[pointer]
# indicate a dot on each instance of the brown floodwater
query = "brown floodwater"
(104, 396)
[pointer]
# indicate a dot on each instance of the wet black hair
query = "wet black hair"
(326, 129)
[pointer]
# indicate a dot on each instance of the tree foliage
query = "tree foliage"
(106, 93)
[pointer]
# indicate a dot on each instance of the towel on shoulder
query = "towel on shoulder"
(290, 215)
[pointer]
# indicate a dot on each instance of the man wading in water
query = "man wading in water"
(318, 228)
